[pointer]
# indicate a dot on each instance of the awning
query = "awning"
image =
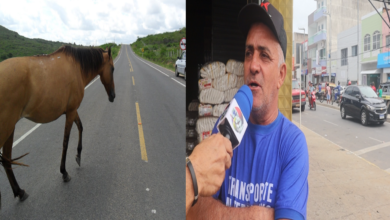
(326, 74)
(375, 71)
(333, 74)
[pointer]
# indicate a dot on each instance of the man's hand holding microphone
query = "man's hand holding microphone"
(206, 166)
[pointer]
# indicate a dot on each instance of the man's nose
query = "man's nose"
(255, 64)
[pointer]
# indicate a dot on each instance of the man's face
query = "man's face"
(261, 71)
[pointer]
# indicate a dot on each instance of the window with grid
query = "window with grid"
(367, 42)
(322, 53)
(344, 58)
(375, 40)
(354, 50)
(388, 41)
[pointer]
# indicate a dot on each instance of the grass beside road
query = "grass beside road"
(161, 49)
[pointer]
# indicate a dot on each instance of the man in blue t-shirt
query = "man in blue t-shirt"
(268, 174)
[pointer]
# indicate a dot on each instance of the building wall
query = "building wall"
(370, 23)
(385, 31)
(285, 97)
(347, 39)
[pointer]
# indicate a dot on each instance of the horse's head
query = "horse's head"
(107, 75)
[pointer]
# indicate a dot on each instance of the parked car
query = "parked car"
(363, 103)
(386, 93)
(180, 66)
(295, 95)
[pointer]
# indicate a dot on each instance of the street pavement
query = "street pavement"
(370, 142)
(121, 176)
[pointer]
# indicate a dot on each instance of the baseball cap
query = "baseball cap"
(267, 14)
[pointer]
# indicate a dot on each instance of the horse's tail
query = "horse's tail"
(12, 161)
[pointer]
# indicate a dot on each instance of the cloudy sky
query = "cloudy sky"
(302, 10)
(92, 22)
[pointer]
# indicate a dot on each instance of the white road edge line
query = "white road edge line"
(179, 82)
(153, 67)
(330, 122)
(25, 135)
(376, 139)
(36, 126)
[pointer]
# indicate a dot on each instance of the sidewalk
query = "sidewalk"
(343, 185)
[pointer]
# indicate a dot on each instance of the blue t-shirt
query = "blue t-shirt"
(269, 168)
(338, 89)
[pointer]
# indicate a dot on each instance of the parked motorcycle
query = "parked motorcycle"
(320, 96)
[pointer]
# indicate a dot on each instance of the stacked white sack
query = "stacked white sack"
(204, 126)
(240, 81)
(213, 70)
(235, 67)
(229, 94)
(211, 96)
(218, 109)
(205, 83)
(225, 82)
(205, 110)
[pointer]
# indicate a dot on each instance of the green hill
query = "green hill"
(14, 45)
(162, 49)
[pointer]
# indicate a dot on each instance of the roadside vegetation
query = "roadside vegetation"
(162, 49)
(14, 45)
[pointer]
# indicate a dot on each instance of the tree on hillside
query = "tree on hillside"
(9, 55)
(163, 51)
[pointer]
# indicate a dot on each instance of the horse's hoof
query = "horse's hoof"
(78, 160)
(66, 178)
(23, 195)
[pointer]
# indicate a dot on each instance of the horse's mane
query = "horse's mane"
(90, 59)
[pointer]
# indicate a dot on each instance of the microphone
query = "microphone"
(233, 121)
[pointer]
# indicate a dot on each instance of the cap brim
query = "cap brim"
(253, 13)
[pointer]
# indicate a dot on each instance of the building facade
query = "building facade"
(300, 57)
(346, 57)
(330, 18)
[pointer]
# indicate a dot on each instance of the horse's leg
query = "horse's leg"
(7, 156)
(79, 147)
(70, 117)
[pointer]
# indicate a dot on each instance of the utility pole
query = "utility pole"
(357, 46)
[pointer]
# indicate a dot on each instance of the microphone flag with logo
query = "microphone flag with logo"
(234, 120)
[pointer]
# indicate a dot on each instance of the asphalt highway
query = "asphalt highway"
(123, 174)
(370, 142)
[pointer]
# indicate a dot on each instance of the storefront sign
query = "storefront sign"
(383, 60)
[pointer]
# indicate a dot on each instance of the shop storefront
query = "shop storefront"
(369, 76)
(333, 78)
(383, 62)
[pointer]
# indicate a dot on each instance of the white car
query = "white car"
(180, 66)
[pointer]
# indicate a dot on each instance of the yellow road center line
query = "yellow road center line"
(128, 58)
(144, 156)
(133, 80)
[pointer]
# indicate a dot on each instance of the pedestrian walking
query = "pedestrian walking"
(373, 86)
(327, 93)
(380, 91)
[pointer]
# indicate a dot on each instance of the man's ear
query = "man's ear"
(282, 74)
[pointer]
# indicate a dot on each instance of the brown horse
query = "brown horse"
(41, 89)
